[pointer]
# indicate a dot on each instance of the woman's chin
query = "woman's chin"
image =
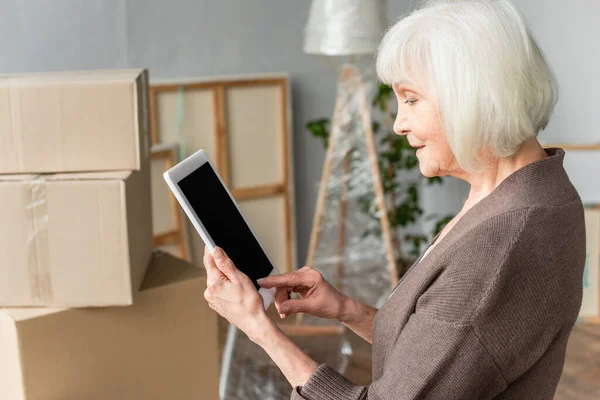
(428, 174)
(427, 171)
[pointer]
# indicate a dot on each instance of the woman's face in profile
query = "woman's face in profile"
(419, 120)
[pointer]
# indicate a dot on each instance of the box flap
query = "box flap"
(166, 269)
(11, 372)
(21, 314)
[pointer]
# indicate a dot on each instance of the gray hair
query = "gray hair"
(493, 86)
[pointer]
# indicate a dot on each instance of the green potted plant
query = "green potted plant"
(402, 194)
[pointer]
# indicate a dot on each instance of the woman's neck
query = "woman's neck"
(482, 184)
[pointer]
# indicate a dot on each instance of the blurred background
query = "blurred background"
(181, 41)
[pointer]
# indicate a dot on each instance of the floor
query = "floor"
(581, 374)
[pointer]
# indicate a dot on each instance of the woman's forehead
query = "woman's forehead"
(411, 85)
(411, 78)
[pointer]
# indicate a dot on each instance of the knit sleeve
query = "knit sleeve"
(432, 359)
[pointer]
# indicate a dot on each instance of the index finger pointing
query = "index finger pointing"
(290, 279)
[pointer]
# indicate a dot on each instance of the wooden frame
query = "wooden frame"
(591, 263)
(218, 87)
(176, 236)
(585, 147)
(573, 146)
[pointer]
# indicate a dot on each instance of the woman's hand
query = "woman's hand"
(231, 294)
(317, 296)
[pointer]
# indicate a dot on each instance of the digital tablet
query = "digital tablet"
(208, 203)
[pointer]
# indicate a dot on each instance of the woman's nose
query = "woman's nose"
(400, 126)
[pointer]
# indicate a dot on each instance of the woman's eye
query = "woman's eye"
(410, 102)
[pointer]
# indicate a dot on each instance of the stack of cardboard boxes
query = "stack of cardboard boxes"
(99, 315)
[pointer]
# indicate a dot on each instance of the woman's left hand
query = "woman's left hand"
(231, 294)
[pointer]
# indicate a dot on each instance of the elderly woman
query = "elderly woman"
(487, 309)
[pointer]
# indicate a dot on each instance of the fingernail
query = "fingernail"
(260, 280)
(218, 253)
(282, 316)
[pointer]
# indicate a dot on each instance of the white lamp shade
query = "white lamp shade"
(344, 27)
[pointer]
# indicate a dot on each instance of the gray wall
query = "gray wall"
(183, 38)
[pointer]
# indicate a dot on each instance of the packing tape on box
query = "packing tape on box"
(38, 255)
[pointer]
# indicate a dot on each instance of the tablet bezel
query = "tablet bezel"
(180, 171)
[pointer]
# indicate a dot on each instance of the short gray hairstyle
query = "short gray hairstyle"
(491, 81)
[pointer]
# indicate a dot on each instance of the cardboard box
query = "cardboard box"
(163, 347)
(74, 121)
(74, 240)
